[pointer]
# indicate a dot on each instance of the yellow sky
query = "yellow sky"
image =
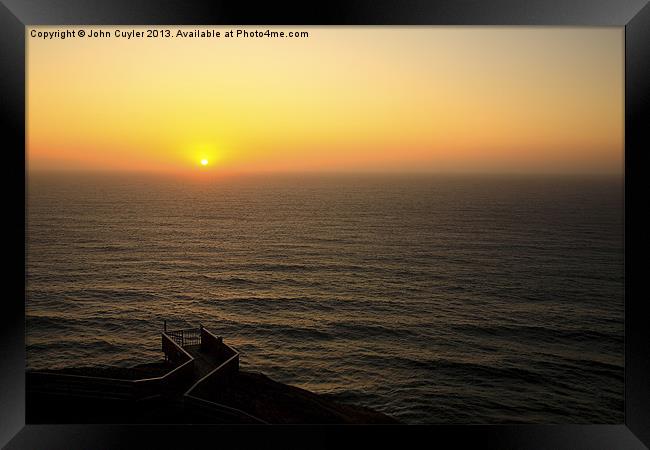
(435, 99)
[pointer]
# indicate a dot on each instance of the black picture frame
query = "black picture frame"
(15, 15)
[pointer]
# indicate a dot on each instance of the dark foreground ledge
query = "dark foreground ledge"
(251, 393)
(279, 403)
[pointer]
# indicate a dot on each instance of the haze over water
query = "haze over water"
(435, 299)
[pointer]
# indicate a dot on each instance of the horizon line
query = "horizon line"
(202, 174)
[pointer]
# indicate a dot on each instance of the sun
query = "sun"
(204, 162)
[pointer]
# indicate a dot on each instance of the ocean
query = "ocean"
(432, 298)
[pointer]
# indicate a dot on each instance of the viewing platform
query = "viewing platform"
(200, 355)
(199, 361)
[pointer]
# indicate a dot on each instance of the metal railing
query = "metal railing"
(188, 336)
(105, 387)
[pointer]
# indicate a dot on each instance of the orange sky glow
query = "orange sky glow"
(345, 99)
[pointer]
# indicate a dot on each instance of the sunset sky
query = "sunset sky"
(426, 99)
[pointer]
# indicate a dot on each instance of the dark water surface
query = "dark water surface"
(434, 299)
